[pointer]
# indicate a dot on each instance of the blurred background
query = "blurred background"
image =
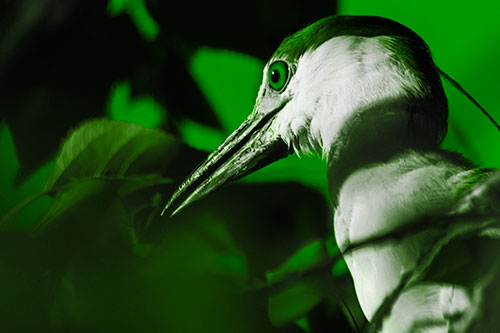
(106, 105)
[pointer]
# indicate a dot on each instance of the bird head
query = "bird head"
(339, 71)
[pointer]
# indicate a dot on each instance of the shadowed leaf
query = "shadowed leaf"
(93, 192)
(292, 303)
(103, 147)
(14, 197)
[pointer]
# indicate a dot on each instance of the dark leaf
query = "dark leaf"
(106, 148)
(294, 302)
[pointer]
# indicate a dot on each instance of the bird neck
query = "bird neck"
(371, 139)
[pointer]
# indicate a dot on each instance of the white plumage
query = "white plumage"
(333, 83)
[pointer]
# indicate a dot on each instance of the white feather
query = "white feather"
(335, 81)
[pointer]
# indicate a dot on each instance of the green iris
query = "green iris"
(278, 75)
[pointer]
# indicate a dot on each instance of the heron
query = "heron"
(365, 93)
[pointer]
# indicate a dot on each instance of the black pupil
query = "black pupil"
(275, 75)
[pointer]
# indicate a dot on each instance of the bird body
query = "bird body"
(385, 196)
(364, 92)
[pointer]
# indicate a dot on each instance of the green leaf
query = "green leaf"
(200, 136)
(13, 198)
(92, 192)
(293, 302)
(105, 147)
(99, 150)
(309, 170)
(87, 194)
(142, 110)
(136, 9)
(230, 82)
(302, 282)
(310, 256)
(340, 268)
(232, 264)
(304, 324)
(14, 220)
(128, 185)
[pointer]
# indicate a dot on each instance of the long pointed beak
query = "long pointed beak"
(250, 147)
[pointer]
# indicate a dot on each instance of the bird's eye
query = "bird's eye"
(278, 75)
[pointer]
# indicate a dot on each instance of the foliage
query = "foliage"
(84, 234)
(102, 238)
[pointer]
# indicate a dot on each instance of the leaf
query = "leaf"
(93, 193)
(304, 324)
(293, 303)
(142, 110)
(136, 9)
(104, 147)
(308, 170)
(340, 268)
(200, 136)
(310, 256)
(14, 197)
(230, 82)
(231, 264)
(79, 194)
(9, 219)
(304, 281)
(295, 299)
(128, 185)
